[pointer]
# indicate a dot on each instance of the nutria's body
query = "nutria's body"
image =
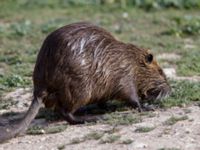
(80, 64)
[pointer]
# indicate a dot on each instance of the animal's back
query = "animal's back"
(82, 61)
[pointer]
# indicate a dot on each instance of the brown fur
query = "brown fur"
(80, 64)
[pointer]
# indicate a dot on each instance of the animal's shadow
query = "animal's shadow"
(52, 116)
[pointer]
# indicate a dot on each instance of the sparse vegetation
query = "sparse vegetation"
(61, 147)
(179, 95)
(14, 81)
(77, 140)
(55, 129)
(109, 139)
(187, 111)
(94, 136)
(169, 149)
(148, 114)
(127, 141)
(5, 104)
(185, 26)
(22, 35)
(169, 26)
(122, 119)
(90, 136)
(35, 130)
(144, 129)
(106, 136)
(173, 120)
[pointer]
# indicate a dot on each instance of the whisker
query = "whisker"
(159, 95)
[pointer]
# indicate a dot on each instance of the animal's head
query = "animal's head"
(149, 77)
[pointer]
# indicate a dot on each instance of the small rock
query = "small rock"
(43, 132)
(41, 147)
(29, 142)
(125, 15)
(170, 72)
(140, 145)
(192, 140)
(183, 105)
(187, 130)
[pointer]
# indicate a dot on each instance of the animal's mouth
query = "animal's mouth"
(156, 94)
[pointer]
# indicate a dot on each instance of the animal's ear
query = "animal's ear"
(149, 58)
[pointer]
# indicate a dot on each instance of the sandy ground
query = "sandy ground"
(183, 134)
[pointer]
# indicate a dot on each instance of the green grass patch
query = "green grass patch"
(144, 129)
(61, 147)
(13, 80)
(76, 141)
(173, 120)
(94, 136)
(25, 24)
(122, 119)
(183, 92)
(126, 141)
(90, 136)
(185, 26)
(5, 104)
(35, 130)
(148, 114)
(52, 25)
(189, 64)
(55, 129)
(106, 136)
(109, 139)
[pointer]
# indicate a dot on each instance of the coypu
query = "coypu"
(80, 64)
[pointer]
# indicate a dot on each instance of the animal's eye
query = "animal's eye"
(149, 58)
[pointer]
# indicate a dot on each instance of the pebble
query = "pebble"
(187, 130)
(139, 145)
(170, 72)
(125, 15)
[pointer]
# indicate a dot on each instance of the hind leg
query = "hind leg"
(70, 116)
(73, 119)
(70, 102)
(74, 95)
(68, 112)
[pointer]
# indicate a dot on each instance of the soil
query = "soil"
(167, 132)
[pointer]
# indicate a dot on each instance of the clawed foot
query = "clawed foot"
(73, 119)
(147, 107)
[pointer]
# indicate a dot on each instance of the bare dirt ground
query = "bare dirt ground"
(174, 128)
(183, 134)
